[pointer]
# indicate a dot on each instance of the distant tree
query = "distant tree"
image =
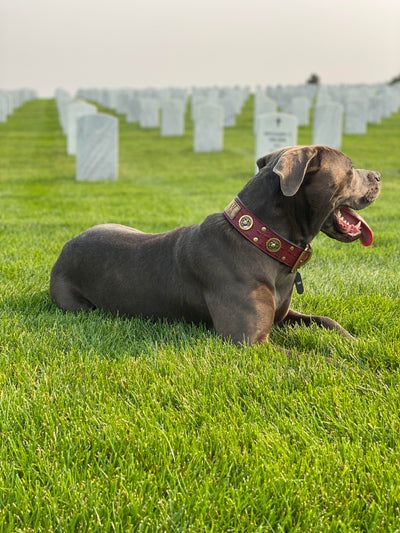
(396, 79)
(313, 79)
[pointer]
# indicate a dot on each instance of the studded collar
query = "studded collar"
(266, 240)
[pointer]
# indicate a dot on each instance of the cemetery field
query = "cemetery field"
(112, 424)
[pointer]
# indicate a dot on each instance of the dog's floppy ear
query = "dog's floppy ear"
(293, 165)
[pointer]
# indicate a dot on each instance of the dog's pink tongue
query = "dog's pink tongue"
(366, 237)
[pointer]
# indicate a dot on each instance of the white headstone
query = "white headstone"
(355, 117)
(173, 118)
(375, 109)
(76, 109)
(262, 106)
(122, 101)
(133, 109)
(328, 124)
(209, 129)
(3, 108)
(97, 148)
(323, 96)
(388, 101)
(262, 103)
(396, 94)
(149, 113)
(113, 99)
(300, 107)
(200, 98)
(229, 105)
(275, 131)
(63, 99)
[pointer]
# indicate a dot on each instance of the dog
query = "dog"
(236, 270)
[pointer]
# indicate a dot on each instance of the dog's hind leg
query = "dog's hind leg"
(293, 318)
(67, 296)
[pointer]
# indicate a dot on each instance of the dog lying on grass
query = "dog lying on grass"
(236, 270)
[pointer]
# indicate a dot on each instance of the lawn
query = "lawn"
(116, 424)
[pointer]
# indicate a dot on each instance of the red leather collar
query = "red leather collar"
(264, 238)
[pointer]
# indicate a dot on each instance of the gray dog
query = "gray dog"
(236, 270)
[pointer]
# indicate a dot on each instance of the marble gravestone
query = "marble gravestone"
(173, 118)
(7, 108)
(97, 148)
(387, 102)
(262, 106)
(149, 113)
(209, 129)
(300, 107)
(76, 109)
(375, 109)
(3, 108)
(355, 117)
(323, 96)
(275, 131)
(198, 101)
(122, 102)
(133, 109)
(328, 125)
(63, 100)
(201, 98)
(227, 102)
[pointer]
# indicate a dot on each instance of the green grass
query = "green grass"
(111, 424)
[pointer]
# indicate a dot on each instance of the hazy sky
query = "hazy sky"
(45, 44)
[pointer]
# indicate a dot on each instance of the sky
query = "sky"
(72, 44)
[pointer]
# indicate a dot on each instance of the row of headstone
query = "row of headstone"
(381, 96)
(91, 136)
(338, 109)
(230, 99)
(11, 100)
(361, 106)
(275, 130)
(283, 95)
(145, 106)
(212, 110)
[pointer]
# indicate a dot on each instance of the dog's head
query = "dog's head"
(323, 182)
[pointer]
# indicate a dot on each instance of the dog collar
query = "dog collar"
(266, 240)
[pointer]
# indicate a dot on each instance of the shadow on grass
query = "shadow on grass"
(101, 332)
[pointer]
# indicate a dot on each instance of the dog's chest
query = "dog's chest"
(283, 295)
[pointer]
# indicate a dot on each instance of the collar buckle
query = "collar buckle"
(303, 258)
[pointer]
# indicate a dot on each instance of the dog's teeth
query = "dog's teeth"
(341, 217)
(358, 226)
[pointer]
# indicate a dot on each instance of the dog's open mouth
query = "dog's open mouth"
(352, 225)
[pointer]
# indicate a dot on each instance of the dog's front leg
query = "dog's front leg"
(293, 317)
(242, 317)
